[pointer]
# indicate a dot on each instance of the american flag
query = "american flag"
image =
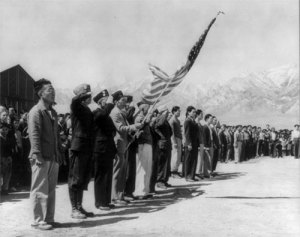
(163, 84)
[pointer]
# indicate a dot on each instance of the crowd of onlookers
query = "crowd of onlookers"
(231, 143)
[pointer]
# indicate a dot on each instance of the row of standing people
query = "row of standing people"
(129, 154)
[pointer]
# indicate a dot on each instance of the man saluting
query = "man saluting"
(104, 149)
(81, 149)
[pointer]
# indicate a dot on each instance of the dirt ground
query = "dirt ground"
(260, 197)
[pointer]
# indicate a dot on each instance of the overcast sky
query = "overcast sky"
(70, 42)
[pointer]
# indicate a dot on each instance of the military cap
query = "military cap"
(162, 108)
(100, 95)
(38, 85)
(117, 95)
(129, 98)
(82, 89)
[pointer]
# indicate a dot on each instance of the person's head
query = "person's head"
(249, 127)
(199, 114)
(176, 111)
(45, 91)
(223, 127)
(208, 118)
(296, 126)
(129, 99)
(214, 120)
(190, 112)
(60, 118)
(3, 114)
(259, 129)
(119, 99)
(143, 107)
(155, 113)
(163, 110)
(4, 128)
(101, 98)
(273, 129)
(16, 123)
(268, 126)
(239, 128)
(85, 91)
(11, 111)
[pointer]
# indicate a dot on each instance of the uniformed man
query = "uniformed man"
(81, 149)
(104, 150)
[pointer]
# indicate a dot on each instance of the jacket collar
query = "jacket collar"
(42, 106)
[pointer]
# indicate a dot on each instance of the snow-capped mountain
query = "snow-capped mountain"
(270, 93)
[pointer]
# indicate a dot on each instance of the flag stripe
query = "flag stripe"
(164, 84)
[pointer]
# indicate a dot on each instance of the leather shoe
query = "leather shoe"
(104, 208)
(88, 214)
(76, 214)
(41, 226)
(120, 203)
(55, 224)
(129, 198)
(161, 185)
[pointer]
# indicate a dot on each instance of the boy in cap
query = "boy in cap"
(81, 149)
(44, 155)
(104, 149)
(118, 115)
(164, 132)
(131, 154)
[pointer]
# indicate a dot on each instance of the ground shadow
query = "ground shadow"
(92, 223)
(241, 197)
(14, 197)
(161, 200)
(226, 176)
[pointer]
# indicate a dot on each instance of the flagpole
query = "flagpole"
(149, 111)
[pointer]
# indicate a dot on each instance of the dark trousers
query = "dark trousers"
(154, 168)
(79, 170)
(296, 148)
(103, 178)
(215, 158)
(223, 153)
(278, 151)
(242, 151)
(266, 148)
(163, 165)
(247, 149)
(190, 162)
(131, 170)
(272, 149)
(260, 147)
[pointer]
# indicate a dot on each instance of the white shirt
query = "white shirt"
(295, 134)
(273, 136)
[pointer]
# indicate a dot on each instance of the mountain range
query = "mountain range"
(270, 96)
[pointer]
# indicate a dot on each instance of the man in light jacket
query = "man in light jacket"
(123, 129)
(44, 155)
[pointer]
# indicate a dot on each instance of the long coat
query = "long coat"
(82, 125)
(104, 130)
